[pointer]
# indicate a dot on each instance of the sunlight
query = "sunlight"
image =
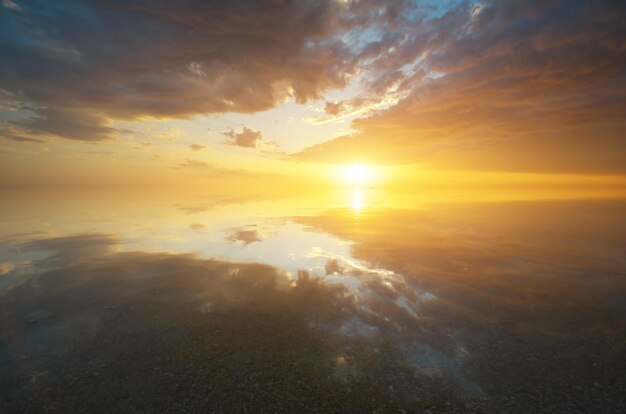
(357, 174)
(357, 200)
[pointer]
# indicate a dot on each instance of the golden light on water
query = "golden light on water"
(356, 201)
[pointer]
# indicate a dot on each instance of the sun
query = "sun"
(357, 173)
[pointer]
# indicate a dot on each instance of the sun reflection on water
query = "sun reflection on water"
(356, 201)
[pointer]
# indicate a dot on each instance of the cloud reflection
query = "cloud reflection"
(207, 309)
(468, 305)
(245, 236)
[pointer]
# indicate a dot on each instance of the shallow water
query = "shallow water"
(347, 303)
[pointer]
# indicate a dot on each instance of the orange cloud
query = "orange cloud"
(247, 138)
(507, 86)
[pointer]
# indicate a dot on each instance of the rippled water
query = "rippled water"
(353, 304)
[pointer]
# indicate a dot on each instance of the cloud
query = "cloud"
(6, 267)
(247, 138)
(197, 147)
(73, 124)
(16, 134)
(9, 4)
(210, 169)
(332, 329)
(533, 85)
(189, 163)
(244, 236)
(197, 226)
(333, 108)
(80, 68)
(511, 85)
(68, 250)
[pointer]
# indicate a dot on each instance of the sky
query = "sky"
(125, 92)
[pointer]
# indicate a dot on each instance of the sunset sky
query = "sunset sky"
(313, 206)
(159, 91)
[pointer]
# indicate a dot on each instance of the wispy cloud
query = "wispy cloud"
(197, 147)
(189, 163)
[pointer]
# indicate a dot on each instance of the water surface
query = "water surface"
(352, 303)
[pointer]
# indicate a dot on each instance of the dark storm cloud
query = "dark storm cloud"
(80, 64)
(515, 84)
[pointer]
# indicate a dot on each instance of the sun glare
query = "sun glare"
(356, 201)
(357, 173)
